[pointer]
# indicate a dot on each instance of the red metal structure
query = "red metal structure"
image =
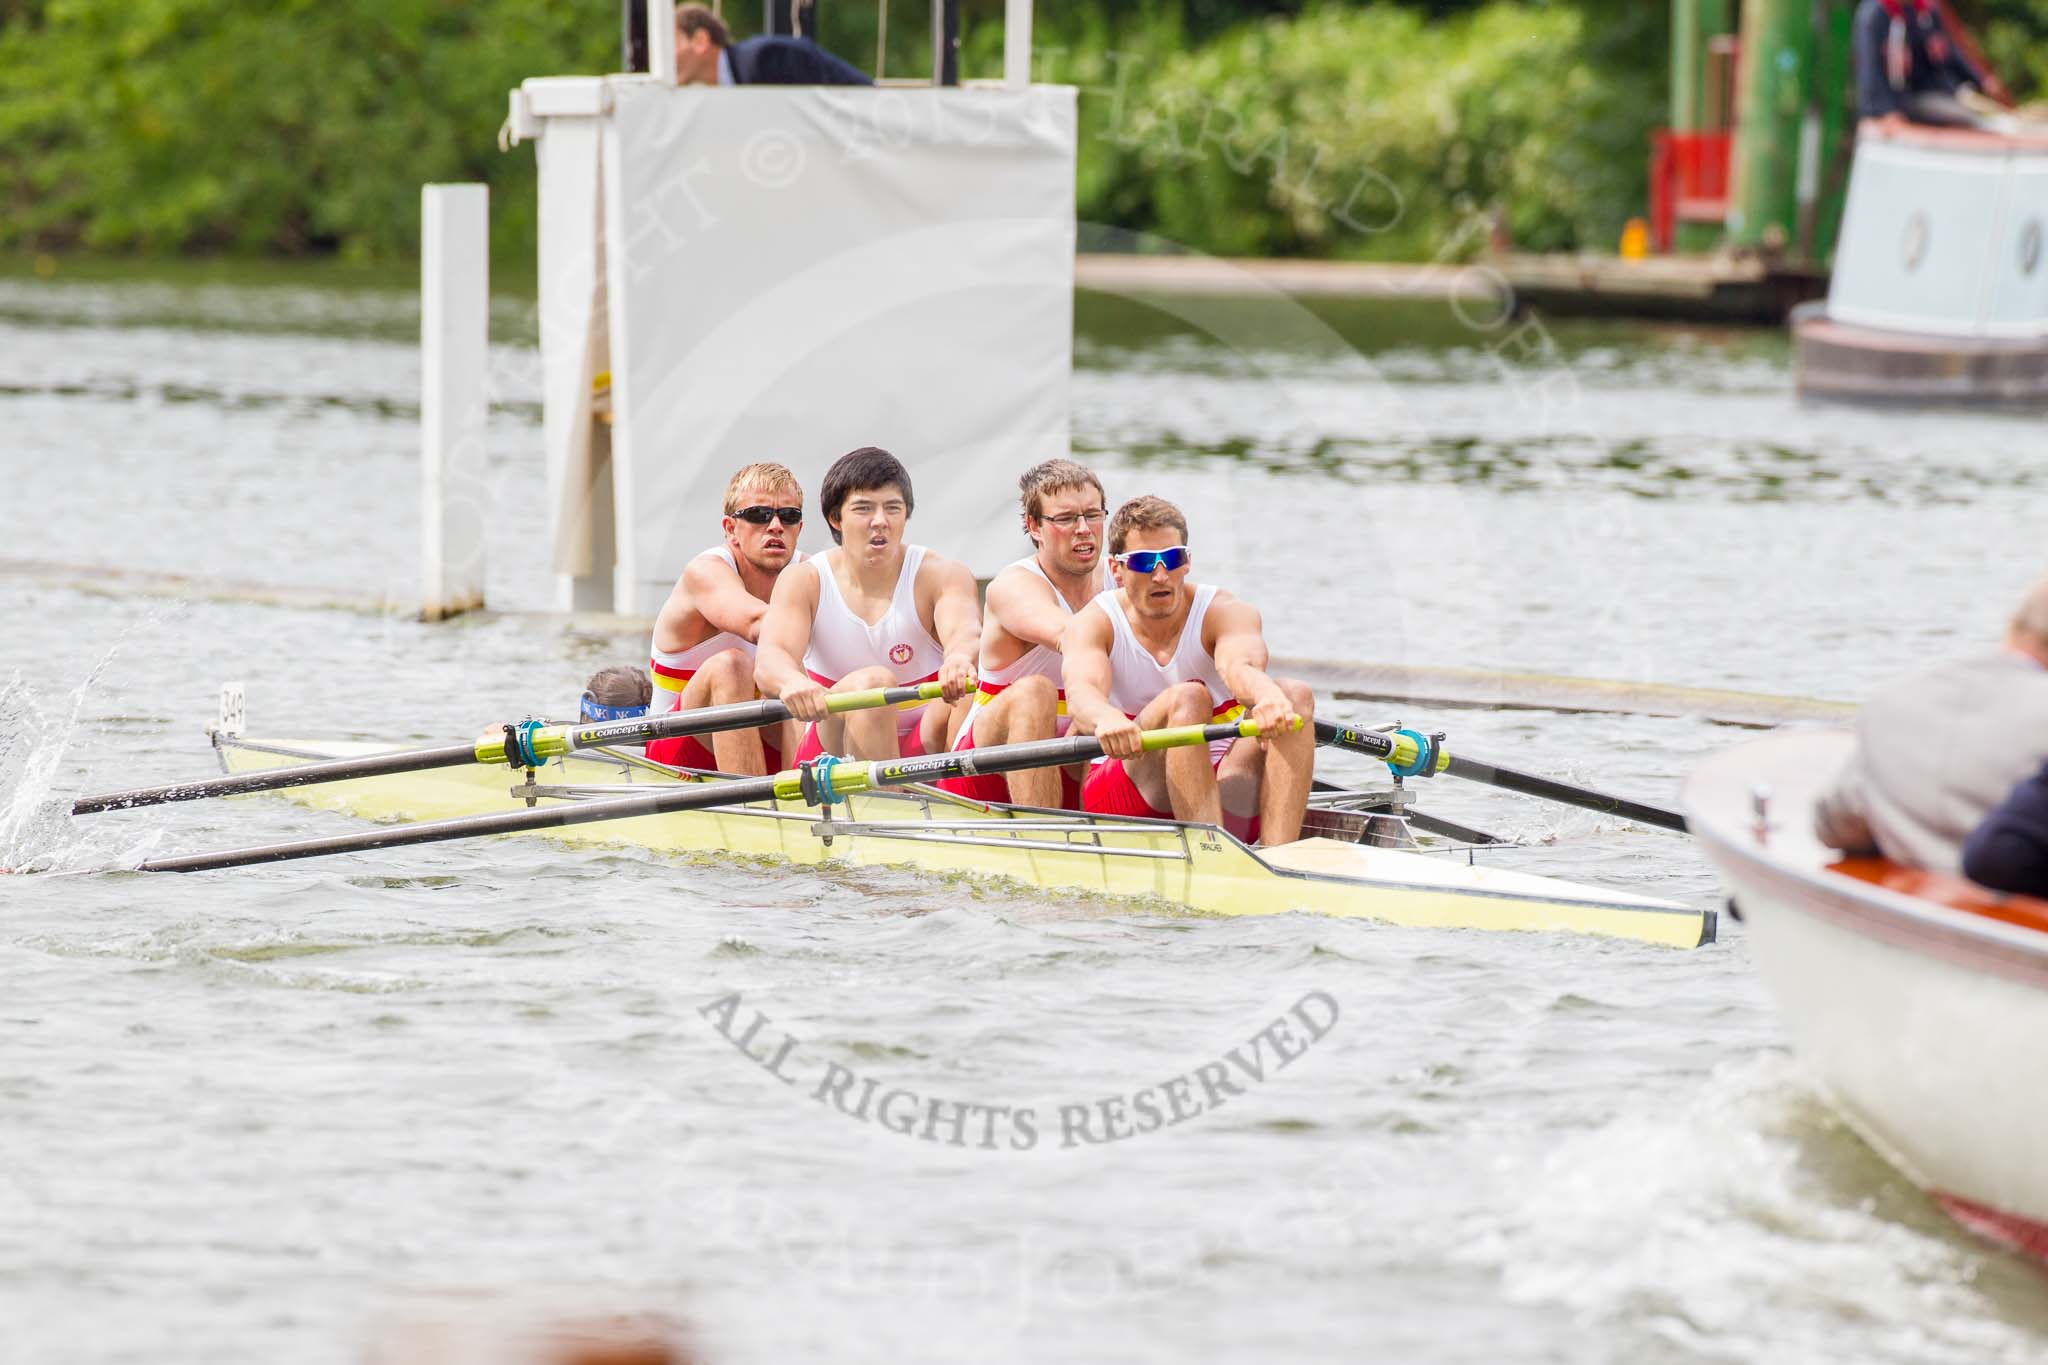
(1688, 181)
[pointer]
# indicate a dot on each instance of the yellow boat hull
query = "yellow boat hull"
(1198, 867)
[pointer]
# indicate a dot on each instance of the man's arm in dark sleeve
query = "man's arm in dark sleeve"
(2008, 851)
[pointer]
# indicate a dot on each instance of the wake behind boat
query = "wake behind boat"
(1917, 999)
(1196, 866)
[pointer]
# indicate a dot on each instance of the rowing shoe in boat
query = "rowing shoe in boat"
(1342, 870)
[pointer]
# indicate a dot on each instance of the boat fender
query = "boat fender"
(815, 780)
(519, 750)
(1427, 749)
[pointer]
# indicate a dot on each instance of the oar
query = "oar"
(1407, 753)
(826, 780)
(541, 742)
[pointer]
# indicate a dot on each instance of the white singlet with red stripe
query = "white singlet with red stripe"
(1135, 677)
(673, 669)
(1039, 661)
(842, 643)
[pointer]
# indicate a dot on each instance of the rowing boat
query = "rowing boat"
(1917, 999)
(1194, 866)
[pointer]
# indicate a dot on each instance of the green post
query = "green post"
(1686, 64)
(1836, 95)
(1694, 106)
(1774, 101)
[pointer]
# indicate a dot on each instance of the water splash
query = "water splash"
(36, 833)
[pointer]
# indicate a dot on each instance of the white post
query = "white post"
(454, 365)
(661, 40)
(1017, 44)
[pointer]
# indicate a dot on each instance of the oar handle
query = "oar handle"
(828, 782)
(543, 742)
(838, 703)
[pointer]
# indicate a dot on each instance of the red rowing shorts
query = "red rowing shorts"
(995, 787)
(909, 745)
(687, 751)
(1110, 791)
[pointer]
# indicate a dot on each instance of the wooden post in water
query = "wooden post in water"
(454, 399)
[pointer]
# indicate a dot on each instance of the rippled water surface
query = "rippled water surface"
(296, 1113)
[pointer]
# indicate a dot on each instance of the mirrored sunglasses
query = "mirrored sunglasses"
(1145, 561)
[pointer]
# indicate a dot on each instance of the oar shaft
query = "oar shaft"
(1400, 751)
(273, 779)
(684, 796)
(1530, 784)
(548, 742)
(833, 780)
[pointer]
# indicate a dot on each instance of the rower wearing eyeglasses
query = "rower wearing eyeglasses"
(1029, 604)
(706, 634)
(872, 612)
(1158, 650)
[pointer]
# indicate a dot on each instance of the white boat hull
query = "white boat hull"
(1919, 1002)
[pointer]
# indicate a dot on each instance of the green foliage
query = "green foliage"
(1235, 126)
(1369, 132)
(252, 126)
(2014, 34)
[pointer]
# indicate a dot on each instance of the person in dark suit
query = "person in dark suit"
(2008, 851)
(1937, 750)
(707, 55)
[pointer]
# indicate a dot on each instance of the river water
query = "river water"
(319, 1111)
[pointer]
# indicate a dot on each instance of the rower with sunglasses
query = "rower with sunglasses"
(705, 637)
(871, 612)
(1028, 608)
(1157, 650)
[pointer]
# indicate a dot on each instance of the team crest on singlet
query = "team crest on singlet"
(899, 654)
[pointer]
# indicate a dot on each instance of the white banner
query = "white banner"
(796, 272)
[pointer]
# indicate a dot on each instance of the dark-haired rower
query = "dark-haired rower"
(873, 612)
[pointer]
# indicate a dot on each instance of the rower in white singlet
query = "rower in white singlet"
(1030, 604)
(872, 613)
(673, 669)
(1039, 661)
(843, 644)
(702, 652)
(1136, 675)
(1160, 651)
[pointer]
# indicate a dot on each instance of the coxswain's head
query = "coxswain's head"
(867, 502)
(700, 37)
(620, 692)
(2028, 633)
(1148, 554)
(764, 511)
(1064, 511)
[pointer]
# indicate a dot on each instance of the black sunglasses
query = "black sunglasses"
(761, 516)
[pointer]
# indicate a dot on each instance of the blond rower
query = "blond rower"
(702, 653)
